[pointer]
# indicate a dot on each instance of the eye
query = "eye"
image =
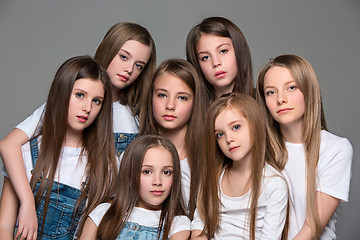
(123, 57)
(146, 172)
(292, 87)
(79, 95)
(269, 93)
(236, 127)
(183, 98)
(219, 134)
(139, 66)
(97, 101)
(223, 51)
(204, 58)
(161, 95)
(167, 172)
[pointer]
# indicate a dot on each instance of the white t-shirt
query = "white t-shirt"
(123, 121)
(143, 217)
(234, 211)
(333, 178)
(185, 180)
(70, 170)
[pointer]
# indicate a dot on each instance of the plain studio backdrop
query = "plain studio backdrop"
(37, 36)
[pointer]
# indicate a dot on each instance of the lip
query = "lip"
(284, 110)
(157, 192)
(123, 78)
(220, 74)
(231, 149)
(169, 117)
(82, 118)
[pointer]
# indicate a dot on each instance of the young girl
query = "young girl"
(148, 202)
(220, 54)
(174, 108)
(70, 164)
(316, 163)
(128, 53)
(240, 196)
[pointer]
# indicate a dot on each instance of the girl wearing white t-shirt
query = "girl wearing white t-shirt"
(316, 163)
(70, 164)
(148, 202)
(175, 107)
(241, 196)
(128, 54)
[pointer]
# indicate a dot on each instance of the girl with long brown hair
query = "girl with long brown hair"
(315, 162)
(71, 162)
(128, 54)
(148, 202)
(218, 50)
(241, 196)
(174, 108)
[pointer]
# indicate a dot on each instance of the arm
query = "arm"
(89, 231)
(183, 235)
(327, 206)
(196, 235)
(9, 205)
(10, 150)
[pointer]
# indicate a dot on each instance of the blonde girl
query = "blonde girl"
(148, 202)
(174, 108)
(316, 163)
(240, 196)
(128, 54)
(70, 164)
(218, 50)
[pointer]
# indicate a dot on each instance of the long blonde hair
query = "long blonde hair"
(314, 121)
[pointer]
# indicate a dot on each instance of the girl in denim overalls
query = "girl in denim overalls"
(148, 203)
(71, 163)
(128, 54)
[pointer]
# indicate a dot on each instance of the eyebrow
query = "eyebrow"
(82, 90)
(286, 83)
(165, 90)
(128, 53)
(221, 45)
(151, 166)
(231, 123)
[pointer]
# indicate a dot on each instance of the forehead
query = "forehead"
(208, 41)
(171, 83)
(136, 49)
(229, 114)
(93, 86)
(277, 75)
(158, 156)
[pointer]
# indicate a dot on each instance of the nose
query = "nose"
(170, 104)
(216, 61)
(129, 68)
(281, 97)
(157, 180)
(229, 138)
(87, 106)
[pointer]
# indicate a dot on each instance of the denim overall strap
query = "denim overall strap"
(135, 231)
(64, 212)
(122, 140)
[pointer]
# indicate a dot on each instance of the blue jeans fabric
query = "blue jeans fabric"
(63, 213)
(135, 231)
(122, 140)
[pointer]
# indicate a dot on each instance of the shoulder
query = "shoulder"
(334, 147)
(274, 181)
(97, 214)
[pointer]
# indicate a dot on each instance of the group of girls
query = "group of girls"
(203, 158)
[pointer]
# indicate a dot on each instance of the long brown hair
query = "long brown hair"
(215, 160)
(117, 35)
(314, 121)
(223, 27)
(148, 125)
(128, 182)
(97, 138)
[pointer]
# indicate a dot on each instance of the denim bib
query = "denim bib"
(63, 213)
(134, 231)
(122, 140)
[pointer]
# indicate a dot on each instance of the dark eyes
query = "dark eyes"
(79, 95)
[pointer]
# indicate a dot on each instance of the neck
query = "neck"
(177, 137)
(292, 133)
(73, 139)
(223, 90)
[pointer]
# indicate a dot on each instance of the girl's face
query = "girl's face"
(283, 98)
(232, 133)
(172, 102)
(85, 104)
(218, 62)
(156, 178)
(127, 65)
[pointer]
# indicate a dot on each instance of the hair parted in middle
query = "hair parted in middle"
(97, 138)
(185, 72)
(223, 27)
(128, 183)
(114, 39)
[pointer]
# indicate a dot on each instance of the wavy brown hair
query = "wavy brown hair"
(313, 121)
(148, 125)
(97, 139)
(128, 182)
(114, 39)
(215, 161)
(222, 27)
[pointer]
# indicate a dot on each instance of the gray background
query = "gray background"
(37, 36)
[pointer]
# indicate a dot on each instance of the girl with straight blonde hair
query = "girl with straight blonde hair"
(315, 162)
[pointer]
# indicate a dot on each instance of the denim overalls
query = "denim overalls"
(122, 140)
(137, 232)
(62, 217)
